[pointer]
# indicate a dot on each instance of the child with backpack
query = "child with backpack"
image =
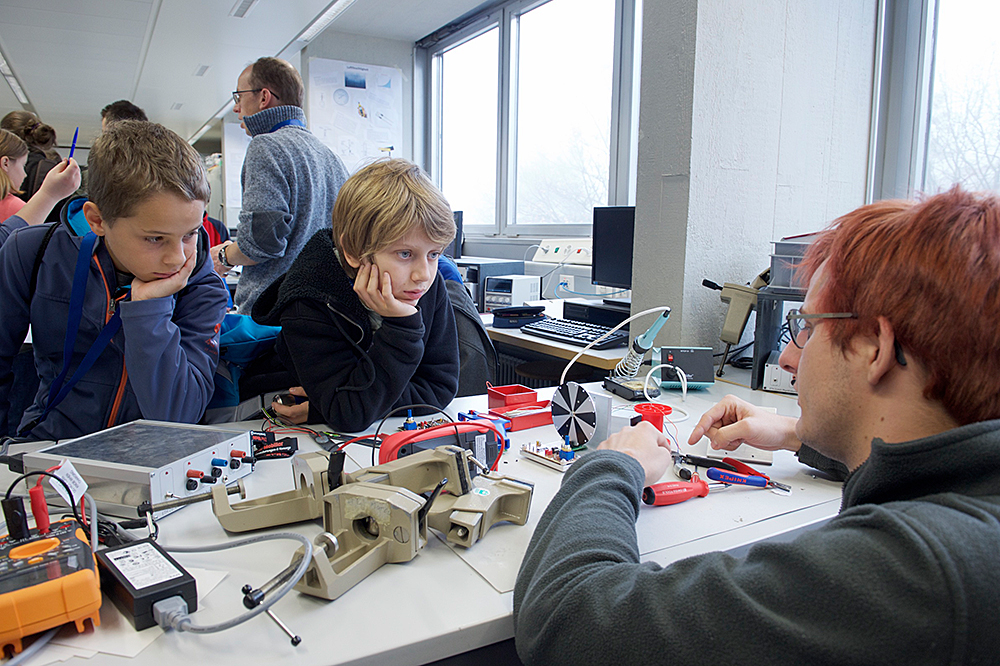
(125, 319)
(60, 182)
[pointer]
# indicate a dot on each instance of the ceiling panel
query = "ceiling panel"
(75, 56)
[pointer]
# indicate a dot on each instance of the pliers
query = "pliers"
(743, 474)
(681, 459)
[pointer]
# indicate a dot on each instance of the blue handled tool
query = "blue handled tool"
(725, 476)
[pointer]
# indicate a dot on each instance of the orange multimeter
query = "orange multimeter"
(46, 580)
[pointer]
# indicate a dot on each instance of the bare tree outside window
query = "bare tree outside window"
(963, 143)
(565, 56)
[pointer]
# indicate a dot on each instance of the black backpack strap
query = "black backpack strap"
(38, 260)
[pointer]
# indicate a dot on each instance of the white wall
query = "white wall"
(754, 124)
(369, 51)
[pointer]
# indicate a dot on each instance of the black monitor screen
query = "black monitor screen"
(611, 261)
(454, 249)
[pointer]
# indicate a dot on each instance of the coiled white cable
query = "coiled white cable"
(562, 377)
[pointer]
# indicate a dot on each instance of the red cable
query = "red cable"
(387, 454)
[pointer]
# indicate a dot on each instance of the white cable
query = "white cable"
(93, 529)
(680, 374)
(562, 377)
(554, 269)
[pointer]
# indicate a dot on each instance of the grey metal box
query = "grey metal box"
(145, 461)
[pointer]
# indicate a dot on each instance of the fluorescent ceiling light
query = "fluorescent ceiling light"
(16, 87)
(325, 19)
(242, 8)
(12, 81)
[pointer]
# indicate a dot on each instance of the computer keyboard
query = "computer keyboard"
(577, 333)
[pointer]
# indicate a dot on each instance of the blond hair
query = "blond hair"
(383, 202)
(15, 148)
(134, 160)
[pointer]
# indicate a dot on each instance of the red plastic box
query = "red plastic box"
(540, 414)
(505, 397)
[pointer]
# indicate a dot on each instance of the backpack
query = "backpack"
(241, 340)
(36, 170)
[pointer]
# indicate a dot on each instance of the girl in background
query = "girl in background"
(13, 157)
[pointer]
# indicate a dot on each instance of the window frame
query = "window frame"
(901, 99)
(624, 107)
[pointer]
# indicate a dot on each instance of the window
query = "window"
(963, 140)
(531, 114)
(564, 60)
(937, 98)
(468, 117)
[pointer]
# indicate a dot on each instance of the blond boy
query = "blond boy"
(366, 321)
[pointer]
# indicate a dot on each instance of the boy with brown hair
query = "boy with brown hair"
(366, 321)
(125, 319)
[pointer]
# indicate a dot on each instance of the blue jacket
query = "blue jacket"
(161, 363)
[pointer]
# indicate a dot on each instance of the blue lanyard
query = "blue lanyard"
(58, 391)
(285, 123)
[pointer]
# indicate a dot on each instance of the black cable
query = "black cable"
(744, 363)
(734, 352)
(72, 501)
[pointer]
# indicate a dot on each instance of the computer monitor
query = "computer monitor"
(611, 258)
(454, 249)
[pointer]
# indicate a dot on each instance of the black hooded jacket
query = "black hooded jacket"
(353, 372)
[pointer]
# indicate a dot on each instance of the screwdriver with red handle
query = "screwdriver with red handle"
(675, 492)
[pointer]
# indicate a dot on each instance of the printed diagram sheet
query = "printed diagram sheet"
(356, 109)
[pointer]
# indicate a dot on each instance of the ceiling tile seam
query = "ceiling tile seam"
(146, 41)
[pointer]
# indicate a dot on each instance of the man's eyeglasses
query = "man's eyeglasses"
(237, 93)
(800, 331)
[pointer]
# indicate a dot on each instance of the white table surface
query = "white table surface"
(449, 600)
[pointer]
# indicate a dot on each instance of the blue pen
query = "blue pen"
(73, 147)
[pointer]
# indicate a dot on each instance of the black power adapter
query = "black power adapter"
(138, 574)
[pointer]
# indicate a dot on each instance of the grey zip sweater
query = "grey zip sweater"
(906, 574)
(290, 182)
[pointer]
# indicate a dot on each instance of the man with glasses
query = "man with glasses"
(896, 357)
(290, 180)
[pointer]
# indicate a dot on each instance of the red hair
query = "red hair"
(932, 269)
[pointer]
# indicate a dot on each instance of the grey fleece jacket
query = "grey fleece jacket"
(906, 574)
(290, 181)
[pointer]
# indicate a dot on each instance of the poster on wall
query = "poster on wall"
(356, 109)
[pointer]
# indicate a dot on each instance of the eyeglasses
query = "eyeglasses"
(237, 93)
(800, 332)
